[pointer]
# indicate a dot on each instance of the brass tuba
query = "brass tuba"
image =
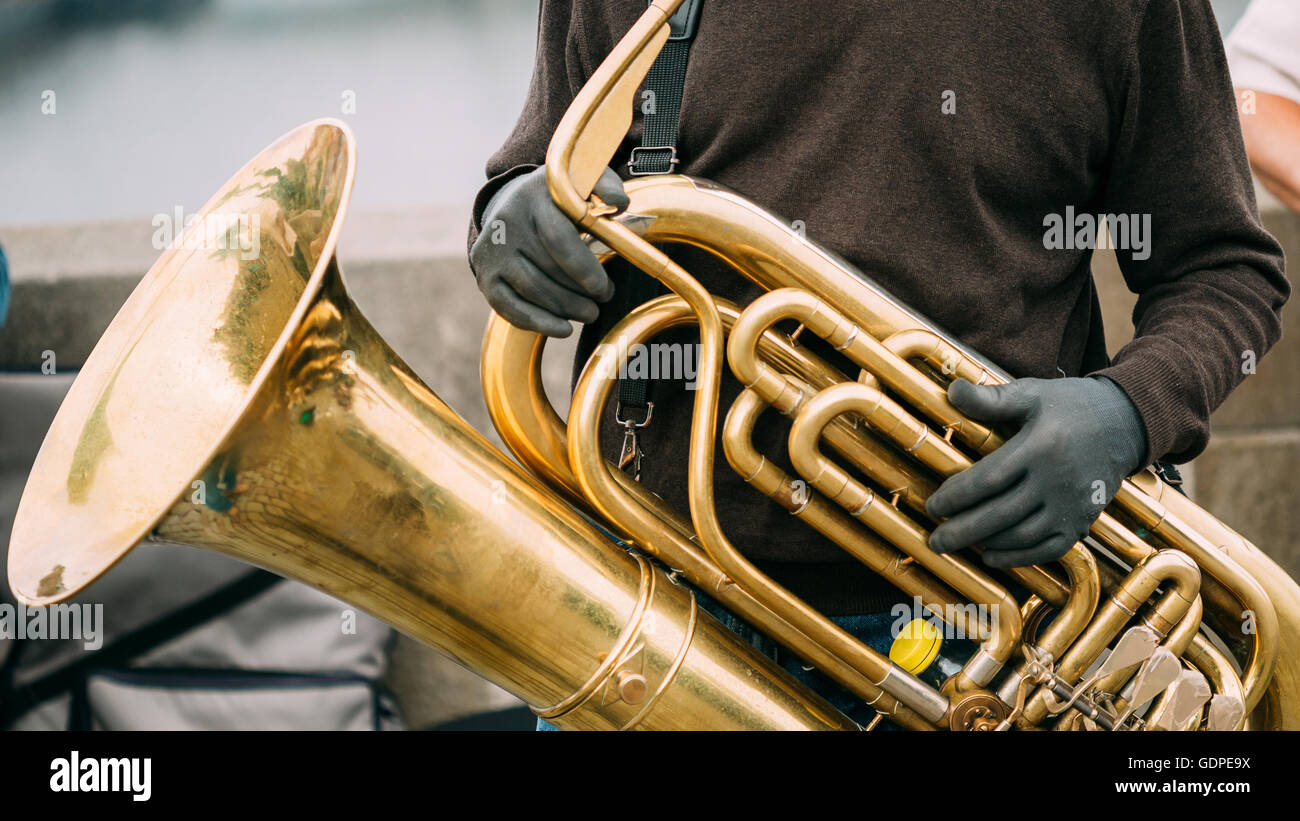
(1164, 618)
(240, 402)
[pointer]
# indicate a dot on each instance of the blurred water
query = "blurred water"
(154, 111)
(157, 103)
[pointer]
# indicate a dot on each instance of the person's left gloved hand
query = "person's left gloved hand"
(1030, 500)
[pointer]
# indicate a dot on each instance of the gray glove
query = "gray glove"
(1030, 500)
(530, 263)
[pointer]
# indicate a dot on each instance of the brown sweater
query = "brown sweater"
(833, 113)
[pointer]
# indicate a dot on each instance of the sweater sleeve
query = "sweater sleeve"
(1209, 280)
(558, 74)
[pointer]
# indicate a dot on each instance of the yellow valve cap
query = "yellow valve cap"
(917, 646)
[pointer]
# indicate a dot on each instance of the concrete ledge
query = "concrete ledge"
(70, 280)
(406, 270)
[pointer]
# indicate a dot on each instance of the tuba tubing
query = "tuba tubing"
(1237, 578)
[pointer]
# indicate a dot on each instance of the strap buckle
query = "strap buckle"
(672, 159)
(632, 454)
(684, 21)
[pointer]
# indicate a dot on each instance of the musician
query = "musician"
(957, 152)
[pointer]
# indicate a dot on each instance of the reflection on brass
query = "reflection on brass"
(51, 584)
(95, 439)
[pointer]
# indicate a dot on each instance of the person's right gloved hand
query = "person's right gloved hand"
(530, 262)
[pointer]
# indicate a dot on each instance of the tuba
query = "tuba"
(241, 403)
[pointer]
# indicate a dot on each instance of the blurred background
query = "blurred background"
(113, 111)
(145, 87)
(431, 105)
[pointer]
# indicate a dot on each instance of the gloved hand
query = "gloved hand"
(529, 260)
(1030, 500)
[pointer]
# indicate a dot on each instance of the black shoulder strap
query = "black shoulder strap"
(657, 154)
(132, 645)
(662, 105)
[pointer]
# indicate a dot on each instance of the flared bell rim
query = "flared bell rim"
(44, 566)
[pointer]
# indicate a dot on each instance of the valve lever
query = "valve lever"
(1134, 647)
(1186, 696)
(1137, 645)
(1156, 674)
(1225, 713)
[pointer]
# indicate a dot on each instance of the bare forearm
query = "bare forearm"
(1272, 135)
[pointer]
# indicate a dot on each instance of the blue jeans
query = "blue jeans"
(873, 629)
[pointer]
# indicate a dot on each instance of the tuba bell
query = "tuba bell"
(243, 404)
